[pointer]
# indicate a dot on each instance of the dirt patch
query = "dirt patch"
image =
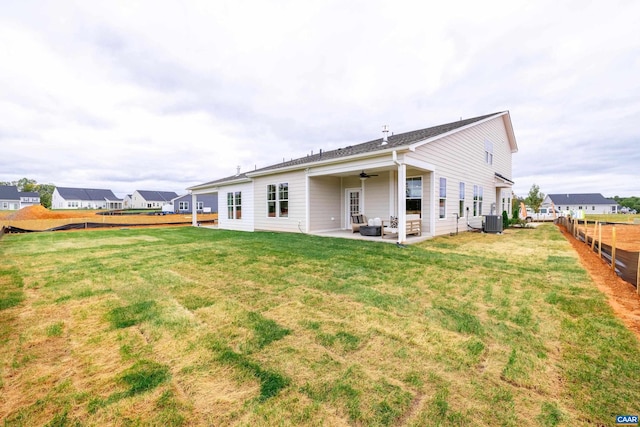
(39, 218)
(40, 212)
(622, 296)
(627, 235)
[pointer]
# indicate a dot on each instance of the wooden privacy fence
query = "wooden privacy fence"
(626, 264)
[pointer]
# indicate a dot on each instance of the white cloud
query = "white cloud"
(163, 95)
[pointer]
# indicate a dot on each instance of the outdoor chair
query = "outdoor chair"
(413, 225)
(356, 221)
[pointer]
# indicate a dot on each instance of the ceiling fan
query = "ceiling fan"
(364, 175)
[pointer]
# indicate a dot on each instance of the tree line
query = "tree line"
(629, 202)
(31, 186)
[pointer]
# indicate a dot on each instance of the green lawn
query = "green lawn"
(194, 326)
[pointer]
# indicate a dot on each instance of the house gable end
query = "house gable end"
(469, 124)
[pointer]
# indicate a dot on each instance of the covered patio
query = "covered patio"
(382, 187)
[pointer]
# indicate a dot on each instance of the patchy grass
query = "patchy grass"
(191, 326)
(11, 293)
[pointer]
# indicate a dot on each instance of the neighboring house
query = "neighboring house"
(29, 198)
(460, 169)
(84, 198)
(11, 199)
(143, 199)
(204, 203)
(127, 201)
(590, 203)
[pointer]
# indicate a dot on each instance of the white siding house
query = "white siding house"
(145, 199)
(84, 198)
(236, 207)
(590, 203)
(450, 176)
(12, 199)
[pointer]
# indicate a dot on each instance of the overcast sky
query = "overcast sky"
(154, 95)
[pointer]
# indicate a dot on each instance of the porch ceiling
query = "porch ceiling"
(371, 166)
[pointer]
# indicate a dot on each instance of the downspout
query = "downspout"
(307, 203)
(402, 198)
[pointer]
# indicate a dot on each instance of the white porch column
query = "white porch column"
(392, 194)
(362, 206)
(432, 204)
(402, 203)
(307, 202)
(194, 214)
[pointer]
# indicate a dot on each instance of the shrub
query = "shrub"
(505, 220)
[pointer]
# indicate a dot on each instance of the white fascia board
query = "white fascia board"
(415, 145)
(410, 161)
(207, 190)
(512, 136)
(354, 165)
(208, 187)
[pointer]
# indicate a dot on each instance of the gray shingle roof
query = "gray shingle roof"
(93, 194)
(580, 199)
(9, 192)
(393, 142)
(165, 196)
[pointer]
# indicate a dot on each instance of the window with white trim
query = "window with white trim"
(442, 204)
(283, 200)
(477, 200)
(278, 200)
(234, 205)
(199, 206)
(488, 152)
(183, 206)
(413, 203)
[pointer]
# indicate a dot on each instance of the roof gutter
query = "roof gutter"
(218, 184)
(394, 157)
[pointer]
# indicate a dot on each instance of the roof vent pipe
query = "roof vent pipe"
(237, 170)
(385, 131)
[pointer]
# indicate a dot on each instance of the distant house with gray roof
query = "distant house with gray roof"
(84, 198)
(146, 199)
(204, 203)
(126, 204)
(11, 199)
(590, 203)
